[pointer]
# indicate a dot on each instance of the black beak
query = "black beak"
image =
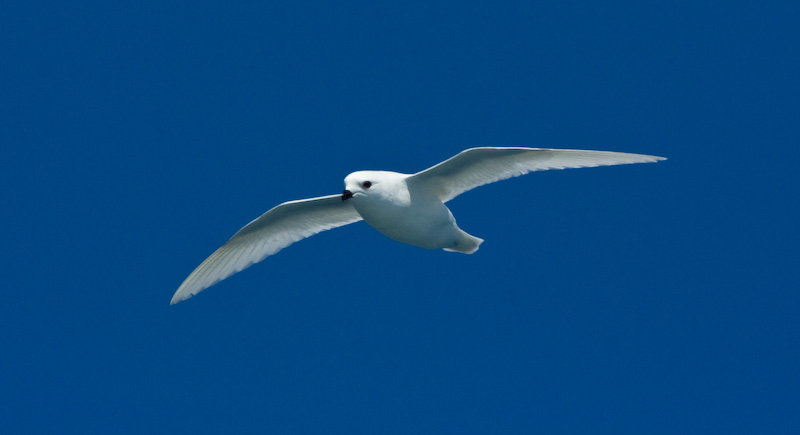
(347, 195)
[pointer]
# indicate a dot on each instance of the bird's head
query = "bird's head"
(365, 184)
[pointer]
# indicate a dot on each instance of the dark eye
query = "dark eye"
(366, 184)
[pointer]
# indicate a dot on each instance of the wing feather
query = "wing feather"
(274, 230)
(478, 166)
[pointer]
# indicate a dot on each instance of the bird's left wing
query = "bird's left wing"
(274, 230)
(478, 166)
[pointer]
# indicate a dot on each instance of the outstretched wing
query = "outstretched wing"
(478, 166)
(273, 231)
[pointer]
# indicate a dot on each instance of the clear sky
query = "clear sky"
(661, 298)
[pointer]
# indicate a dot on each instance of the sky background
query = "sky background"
(137, 137)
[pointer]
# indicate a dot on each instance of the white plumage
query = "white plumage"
(408, 208)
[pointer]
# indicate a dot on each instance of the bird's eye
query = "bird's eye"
(366, 184)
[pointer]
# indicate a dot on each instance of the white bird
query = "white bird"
(408, 208)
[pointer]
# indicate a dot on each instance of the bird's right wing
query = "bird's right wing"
(478, 166)
(274, 230)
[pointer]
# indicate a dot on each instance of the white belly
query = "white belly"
(423, 222)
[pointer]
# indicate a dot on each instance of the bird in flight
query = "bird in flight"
(408, 208)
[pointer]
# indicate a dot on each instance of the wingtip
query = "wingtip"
(646, 158)
(177, 297)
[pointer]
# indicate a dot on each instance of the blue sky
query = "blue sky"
(657, 298)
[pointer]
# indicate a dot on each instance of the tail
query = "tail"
(465, 243)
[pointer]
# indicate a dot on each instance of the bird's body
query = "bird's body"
(408, 208)
(403, 211)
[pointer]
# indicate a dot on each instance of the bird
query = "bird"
(408, 208)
